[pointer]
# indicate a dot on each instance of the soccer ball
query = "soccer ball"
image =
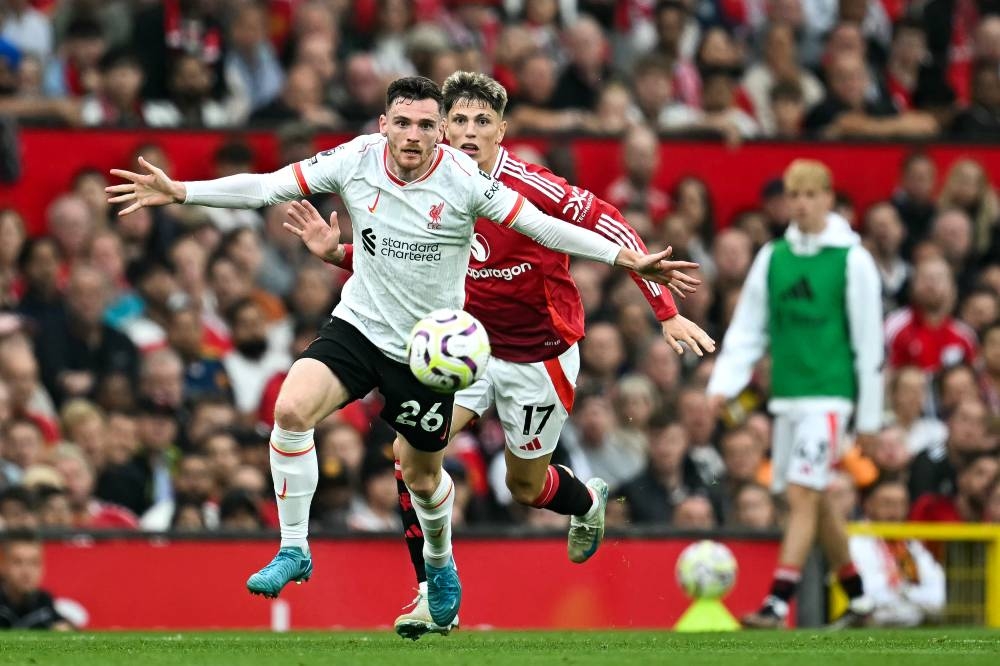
(448, 350)
(706, 570)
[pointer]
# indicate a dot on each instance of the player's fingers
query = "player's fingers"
(682, 266)
(685, 279)
(127, 175)
(333, 220)
(661, 255)
(309, 208)
(124, 187)
(300, 221)
(131, 209)
(706, 341)
(152, 168)
(122, 198)
(676, 346)
(292, 228)
(693, 344)
(678, 292)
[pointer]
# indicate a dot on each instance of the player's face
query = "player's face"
(413, 128)
(477, 130)
(808, 206)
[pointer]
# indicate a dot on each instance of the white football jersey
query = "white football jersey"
(411, 239)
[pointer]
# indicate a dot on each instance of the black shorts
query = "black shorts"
(416, 412)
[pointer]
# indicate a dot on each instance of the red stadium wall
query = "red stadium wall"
(735, 175)
(361, 584)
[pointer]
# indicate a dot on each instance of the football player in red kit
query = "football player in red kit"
(523, 294)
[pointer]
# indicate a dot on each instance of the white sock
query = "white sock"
(594, 506)
(434, 514)
(295, 473)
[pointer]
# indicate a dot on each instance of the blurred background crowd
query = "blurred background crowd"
(140, 357)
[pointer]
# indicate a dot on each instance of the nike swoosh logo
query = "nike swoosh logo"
(371, 209)
(284, 490)
(593, 548)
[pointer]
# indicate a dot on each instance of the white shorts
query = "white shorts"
(808, 444)
(533, 400)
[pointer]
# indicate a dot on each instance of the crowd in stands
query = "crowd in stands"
(140, 357)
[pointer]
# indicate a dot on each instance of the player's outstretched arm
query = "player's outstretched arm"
(154, 188)
(320, 238)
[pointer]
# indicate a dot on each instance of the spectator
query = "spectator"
(952, 233)
(989, 375)
(635, 188)
(892, 455)
(925, 334)
(732, 254)
(933, 470)
(27, 399)
(301, 100)
(678, 35)
(902, 578)
(190, 102)
(884, 236)
(116, 101)
(252, 61)
(222, 451)
(70, 223)
(88, 511)
(73, 70)
(780, 66)
(718, 113)
(956, 384)
(787, 108)
(967, 186)
(203, 372)
(981, 119)
(914, 198)
(54, 510)
(238, 512)
(846, 111)
(587, 71)
(254, 358)
(694, 513)
(602, 354)
(364, 88)
(84, 424)
(379, 509)
(973, 482)
(594, 445)
(17, 509)
(670, 477)
(980, 307)
(754, 508)
(195, 485)
(23, 603)
(907, 56)
(696, 415)
(534, 108)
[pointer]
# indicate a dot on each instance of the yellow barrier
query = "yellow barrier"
(989, 535)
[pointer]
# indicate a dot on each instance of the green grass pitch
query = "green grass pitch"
(931, 647)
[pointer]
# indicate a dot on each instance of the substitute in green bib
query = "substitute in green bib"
(813, 300)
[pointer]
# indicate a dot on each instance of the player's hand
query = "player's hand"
(320, 238)
(868, 444)
(656, 266)
(678, 329)
(155, 188)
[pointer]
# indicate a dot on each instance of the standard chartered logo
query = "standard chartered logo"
(397, 249)
(508, 273)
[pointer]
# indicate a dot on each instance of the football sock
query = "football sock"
(785, 583)
(850, 581)
(295, 474)
(411, 527)
(564, 493)
(434, 514)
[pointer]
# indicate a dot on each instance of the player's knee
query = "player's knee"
(420, 482)
(290, 415)
(523, 490)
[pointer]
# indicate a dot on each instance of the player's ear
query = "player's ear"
(502, 132)
(383, 124)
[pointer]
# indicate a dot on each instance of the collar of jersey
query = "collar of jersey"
(439, 155)
(498, 167)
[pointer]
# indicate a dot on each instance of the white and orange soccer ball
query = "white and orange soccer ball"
(706, 570)
(448, 350)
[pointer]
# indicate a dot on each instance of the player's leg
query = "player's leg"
(801, 453)
(309, 393)
(417, 621)
(422, 419)
(533, 402)
(832, 535)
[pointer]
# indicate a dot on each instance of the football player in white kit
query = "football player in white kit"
(413, 205)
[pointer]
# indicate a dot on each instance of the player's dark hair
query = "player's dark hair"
(413, 89)
(21, 535)
(473, 87)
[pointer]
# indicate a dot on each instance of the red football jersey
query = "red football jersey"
(521, 291)
(911, 341)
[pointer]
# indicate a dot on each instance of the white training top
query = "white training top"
(411, 239)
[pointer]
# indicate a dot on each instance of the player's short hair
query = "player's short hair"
(474, 87)
(413, 89)
(808, 173)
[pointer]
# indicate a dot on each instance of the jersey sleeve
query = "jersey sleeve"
(493, 200)
(555, 196)
(324, 172)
